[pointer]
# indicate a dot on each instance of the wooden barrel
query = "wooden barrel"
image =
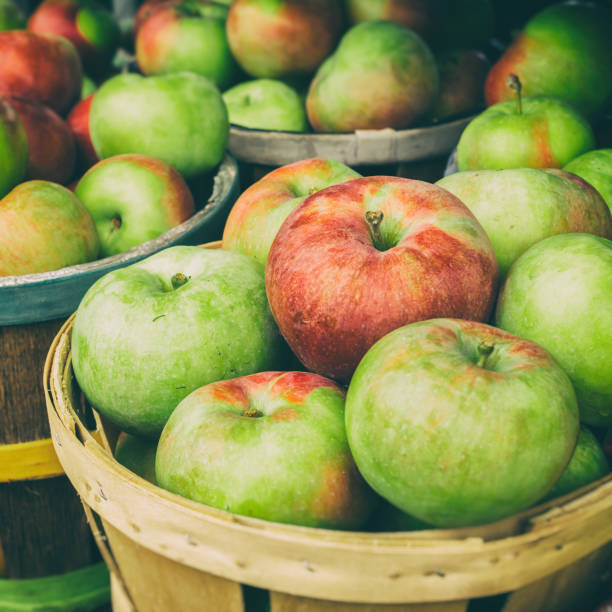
(166, 552)
(43, 529)
(418, 153)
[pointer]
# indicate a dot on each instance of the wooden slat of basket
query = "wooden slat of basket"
(168, 585)
(392, 569)
(280, 602)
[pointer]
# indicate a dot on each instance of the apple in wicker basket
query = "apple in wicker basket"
(258, 213)
(459, 423)
(147, 335)
(357, 260)
(271, 445)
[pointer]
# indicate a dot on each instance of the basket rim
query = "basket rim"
(400, 567)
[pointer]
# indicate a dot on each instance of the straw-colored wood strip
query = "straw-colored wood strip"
(280, 602)
(168, 585)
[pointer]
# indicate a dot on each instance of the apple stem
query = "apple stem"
(252, 413)
(515, 83)
(374, 219)
(484, 351)
(178, 280)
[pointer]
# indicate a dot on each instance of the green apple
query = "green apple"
(595, 167)
(520, 206)
(266, 104)
(178, 118)
(271, 445)
(459, 423)
(133, 198)
(564, 51)
(147, 335)
(539, 132)
(186, 36)
(13, 148)
(88, 87)
(137, 455)
(558, 293)
(258, 213)
(588, 464)
(44, 227)
(11, 17)
(381, 75)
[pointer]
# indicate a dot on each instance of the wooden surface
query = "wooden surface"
(413, 567)
(52, 295)
(42, 525)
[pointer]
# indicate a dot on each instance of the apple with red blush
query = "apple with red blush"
(281, 38)
(78, 122)
(186, 36)
(44, 227)
(359, 259)
(211, 448)
(40, 67)
(133, 198)
(89, 26)
(258, 213)
(51, 145)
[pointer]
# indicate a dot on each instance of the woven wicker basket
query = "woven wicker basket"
(169, 553)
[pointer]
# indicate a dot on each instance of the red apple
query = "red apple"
(260, 211)
(146, 9)
(282, 37)
(51, 144)
(85, 23)
(40, 67)
(78, 122)
(270, 445)
(338, 278)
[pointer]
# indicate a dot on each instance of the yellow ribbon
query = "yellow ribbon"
(29, 461)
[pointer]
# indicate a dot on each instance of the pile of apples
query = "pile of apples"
(366, 352)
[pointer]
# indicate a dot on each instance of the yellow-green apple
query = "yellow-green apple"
(78, 122)
(44, 227)
(258, 213)
(521, 206)
(462, 75)
(359, 259)
(595, 167)
(40, 67)
(88, 25)
(558, 293)
(147, 335)
(11, 16)
(137, 455)
(13, 148)
(588, 464)
(266, 104)
(381, 75)
(133, 198)
(187, 36)
(278, 38)
(459, 423)
(179, 118)
(538, 132)
(422, 16)
(213, 447)
(51, 145)
(565, 50)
